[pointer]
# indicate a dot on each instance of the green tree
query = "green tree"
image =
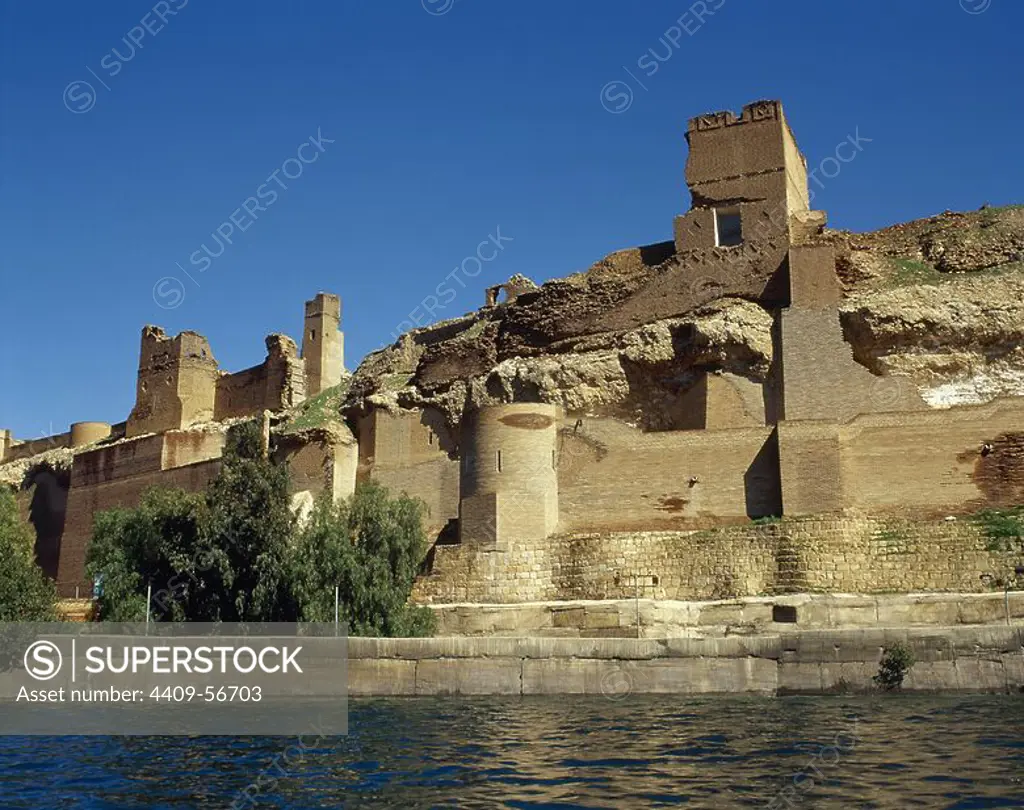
(234, 553)
(251, 524)
(25, 592)
(370, 547)
(162, 543)
(213, 556)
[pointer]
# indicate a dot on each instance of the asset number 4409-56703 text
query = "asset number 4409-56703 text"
(211, 694)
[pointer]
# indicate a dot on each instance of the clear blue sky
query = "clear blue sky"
(445, 126)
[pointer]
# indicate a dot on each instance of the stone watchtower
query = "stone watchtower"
(748, 181)
(323, 348)
(176, 385)
(508, 474)
(746, 176)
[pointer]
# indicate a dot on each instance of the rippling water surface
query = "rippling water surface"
(885, 752)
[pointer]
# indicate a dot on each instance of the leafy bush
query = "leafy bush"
(371, 547)
(25, 592)
(164, 543)
(251, 525)
(895, 665)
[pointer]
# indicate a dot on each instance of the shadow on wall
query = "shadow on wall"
(653, 255)
(46, 514)
(439, 435)
(762, 483)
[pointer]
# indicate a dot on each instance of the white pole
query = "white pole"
(149, 599)
(335, 610)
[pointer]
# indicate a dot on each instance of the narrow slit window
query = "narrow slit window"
(728, 227)
(498, 460)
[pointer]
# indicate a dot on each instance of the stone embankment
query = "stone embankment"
(755, 615)
(956, 659)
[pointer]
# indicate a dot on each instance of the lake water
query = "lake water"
(893, 751)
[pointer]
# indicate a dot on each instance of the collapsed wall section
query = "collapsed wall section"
(274, 385)
(318, 461)
(746, 176)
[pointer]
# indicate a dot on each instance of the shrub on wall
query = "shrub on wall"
(895, 665)
(1003, 528)
(25, 592)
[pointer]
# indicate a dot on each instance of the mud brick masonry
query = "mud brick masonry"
(527, 502)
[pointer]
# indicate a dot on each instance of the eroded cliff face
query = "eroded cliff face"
(960, 342)
(939, 300)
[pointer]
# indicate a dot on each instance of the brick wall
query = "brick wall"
(84, 500)
(409, 452)
(612, 477)
(837, 555)
(935, 461)
(276, 383)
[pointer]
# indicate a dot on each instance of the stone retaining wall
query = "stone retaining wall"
(831, 555)
(968, 659)
(617, 618)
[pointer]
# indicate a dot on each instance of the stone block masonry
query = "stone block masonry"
(743, 616)
(958, 659)
(822, 554)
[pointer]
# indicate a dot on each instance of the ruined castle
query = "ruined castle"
(175, 434)
(532, 490)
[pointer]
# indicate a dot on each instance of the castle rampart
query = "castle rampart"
(174, 436)
(177, 382)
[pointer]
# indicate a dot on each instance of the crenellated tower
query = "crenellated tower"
(747, 179)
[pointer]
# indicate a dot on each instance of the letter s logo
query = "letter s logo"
(43, 660)
(616, 102)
